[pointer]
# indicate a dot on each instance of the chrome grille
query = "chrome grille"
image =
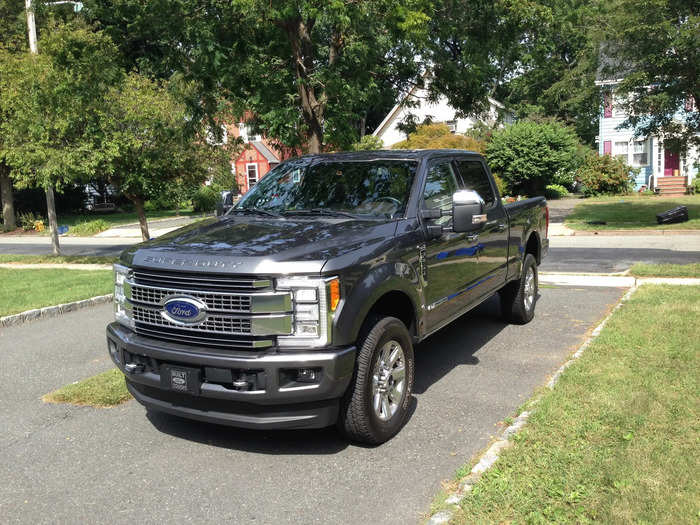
(213, 323)
(200, 281)
(214, 301)
(176, 335)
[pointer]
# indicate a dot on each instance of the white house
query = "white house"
(416, 103)
(660, 168)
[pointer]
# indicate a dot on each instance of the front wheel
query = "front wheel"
(518, 298)
(376, 405)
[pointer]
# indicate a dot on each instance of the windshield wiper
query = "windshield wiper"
(254, 211)
(322, 211)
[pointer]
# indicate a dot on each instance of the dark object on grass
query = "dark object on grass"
(679, 214)
(596, 223)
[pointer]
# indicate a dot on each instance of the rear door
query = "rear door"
(450, 259)
(492, 239)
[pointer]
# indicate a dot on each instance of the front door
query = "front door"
(450, 258)
(671, 163)
(492, 239)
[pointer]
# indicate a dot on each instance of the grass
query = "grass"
(617, 440)
(666, 270)
(103, 390)
(632, 212)
(22, 289)
(60, 259)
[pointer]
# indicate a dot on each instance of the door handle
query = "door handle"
(473, 237)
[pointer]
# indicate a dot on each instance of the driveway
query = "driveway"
(66, 464)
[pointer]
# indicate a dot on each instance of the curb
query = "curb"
(52, 311)
(503, 441)
(615, 281)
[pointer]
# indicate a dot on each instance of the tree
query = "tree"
(438, 136)
(49, 105)
(655, 44)
(555, 65)
(147, 149)
(530, 155)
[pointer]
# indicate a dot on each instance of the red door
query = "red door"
(671, 163)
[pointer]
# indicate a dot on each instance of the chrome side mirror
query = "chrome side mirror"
(467, 211)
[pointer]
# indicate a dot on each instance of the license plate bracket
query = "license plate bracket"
(180, 379)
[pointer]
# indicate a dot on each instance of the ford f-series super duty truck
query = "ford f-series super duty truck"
(300, 307)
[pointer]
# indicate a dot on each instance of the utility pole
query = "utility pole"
(50, 197)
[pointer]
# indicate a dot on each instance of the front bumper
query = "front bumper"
(273, 400)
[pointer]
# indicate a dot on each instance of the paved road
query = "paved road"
(64, 464)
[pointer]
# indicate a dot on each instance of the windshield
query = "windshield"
(376, 188)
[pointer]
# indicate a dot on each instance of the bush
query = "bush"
(27, 220)
(439, 136)
(87, 228)
(694, 188)
(530, 155)
(555, 191)
(205, 199)
(501, 185)
(606, 175)
(368, 142)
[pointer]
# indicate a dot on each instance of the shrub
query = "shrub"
(439, 136)
(606, 175)
(501, 185)
(694, 188)
(530, 155)
(27, 220)
(555, 191)
(87, 228)
(205, 199)
(368, 142)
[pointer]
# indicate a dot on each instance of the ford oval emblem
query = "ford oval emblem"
(184, 310)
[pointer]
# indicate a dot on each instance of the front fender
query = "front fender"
(363, 293)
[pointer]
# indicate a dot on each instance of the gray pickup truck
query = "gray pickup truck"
(300, 307)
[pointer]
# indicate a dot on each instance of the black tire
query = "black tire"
(514, 303)
(358, 420)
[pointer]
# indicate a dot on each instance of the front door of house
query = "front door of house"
(671, 163)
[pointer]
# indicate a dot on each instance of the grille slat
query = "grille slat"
(211, 340)
(213, 323)
(206, 282)
(214, 301)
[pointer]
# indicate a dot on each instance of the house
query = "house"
(258, 157)
(416, 104)
(661, 168)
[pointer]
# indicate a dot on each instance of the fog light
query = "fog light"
(308, 375)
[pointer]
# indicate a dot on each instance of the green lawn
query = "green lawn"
(632, 212)
(666, 270)
(103, 390)
(27, 289)
(61, 259)
(617, 440)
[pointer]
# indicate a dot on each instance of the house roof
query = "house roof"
(264, 150)
(392, 114)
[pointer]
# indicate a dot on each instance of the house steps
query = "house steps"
(672, 185)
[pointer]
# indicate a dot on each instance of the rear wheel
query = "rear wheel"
(376, 405)
(518, 299)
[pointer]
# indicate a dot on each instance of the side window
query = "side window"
(440, 184)
(475, 178)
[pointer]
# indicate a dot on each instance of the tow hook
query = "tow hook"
(133, 368)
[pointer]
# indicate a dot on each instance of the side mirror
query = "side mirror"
(467, 211)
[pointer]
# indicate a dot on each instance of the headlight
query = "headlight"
(122, 292)
(315, 301)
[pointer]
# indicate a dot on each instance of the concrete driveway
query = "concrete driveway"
(65, 464)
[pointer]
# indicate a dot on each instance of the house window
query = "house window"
(619, 106)
(452, 126)
(621, 150)
(640, 153)
(252, 172)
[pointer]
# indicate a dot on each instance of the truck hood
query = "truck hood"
(259, 245)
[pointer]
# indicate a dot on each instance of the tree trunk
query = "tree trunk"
(8, 201)
(53, 223)
(141, 213)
